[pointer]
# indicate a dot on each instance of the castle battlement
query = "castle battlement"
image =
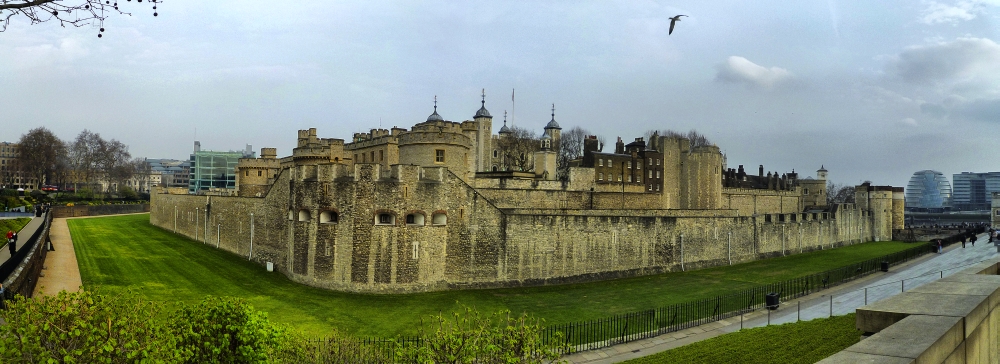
(434, 137)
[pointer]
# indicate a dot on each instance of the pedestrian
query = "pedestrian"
(10, 238)
(963, 241)
(12, 244)
(939, 246)
(973, 240)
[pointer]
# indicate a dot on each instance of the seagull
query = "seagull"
(673, 21)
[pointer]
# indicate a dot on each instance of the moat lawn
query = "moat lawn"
(796, 342)
(127, 251)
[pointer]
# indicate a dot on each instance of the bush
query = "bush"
(85, 327)
(225, 330)
(127, 193)
(470, 338)
(85, 194)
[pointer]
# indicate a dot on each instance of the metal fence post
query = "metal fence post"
(831, 305)
(866, 296)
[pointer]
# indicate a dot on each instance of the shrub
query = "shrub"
(85, 327)
(471, 338)
(226, 330)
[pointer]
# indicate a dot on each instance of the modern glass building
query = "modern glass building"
(214, 170)
(928, 190)
(973, 191)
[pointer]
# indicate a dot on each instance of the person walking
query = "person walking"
(12, 243)
(10, 239)
(972, 239)
(963, 241)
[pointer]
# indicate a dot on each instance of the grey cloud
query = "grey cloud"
(980, 110)
(946, 62)
(933, 110)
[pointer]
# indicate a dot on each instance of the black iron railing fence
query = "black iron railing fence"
(595, 334)
(627, 327)
(20, 273)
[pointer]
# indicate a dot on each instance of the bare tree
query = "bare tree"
(697, 139)
(116, 164)
(141, 171)
(76, 13)
(516, 149)
(84, 155)
(570, 148)
(38, 153)
(838, 193)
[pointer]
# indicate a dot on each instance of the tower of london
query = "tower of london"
(450, 205)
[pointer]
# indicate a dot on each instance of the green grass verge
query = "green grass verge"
(797, 342)
(126, 251)
(15, 224)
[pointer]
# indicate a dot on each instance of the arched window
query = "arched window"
(385, 218)
(415, 219)
(304, 215)
(495, 168)
(328, 217)
(496, 153)
(291, 215)
(439, 218)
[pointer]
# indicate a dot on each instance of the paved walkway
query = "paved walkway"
(61, 271)
(845, 299)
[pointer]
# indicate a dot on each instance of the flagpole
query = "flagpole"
(512, 108)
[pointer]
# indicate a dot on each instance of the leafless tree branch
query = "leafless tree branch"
(77, 13)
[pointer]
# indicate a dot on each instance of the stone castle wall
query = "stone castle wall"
(756, 201)
(481, 243)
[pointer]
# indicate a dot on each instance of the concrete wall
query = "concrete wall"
(952, 320)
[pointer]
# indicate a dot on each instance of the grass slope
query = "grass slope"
(15, 224)
(797, 342)
(126, 251)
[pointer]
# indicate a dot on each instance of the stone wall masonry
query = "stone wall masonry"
(321, 227)
(85, 210)
(753, 201)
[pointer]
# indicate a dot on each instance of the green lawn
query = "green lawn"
(15, 224)
(126, 251)
(798, 342)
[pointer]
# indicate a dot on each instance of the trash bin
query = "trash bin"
(885, 266)
(771, 301)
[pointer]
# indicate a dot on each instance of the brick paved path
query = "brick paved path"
(61, 271)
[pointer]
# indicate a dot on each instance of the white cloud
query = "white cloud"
(737, 69)
(43, 55)
(963, 10)
(908, 122)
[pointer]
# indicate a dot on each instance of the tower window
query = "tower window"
(328, 217)
(260, 173)
(439, 156)
(439, 219)
(600, 163)
(385, 219)
(496, 153)
(415, 219)
(600, 176)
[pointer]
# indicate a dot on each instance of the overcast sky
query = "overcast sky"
(872, 90)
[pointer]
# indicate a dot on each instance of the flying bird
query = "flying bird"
(673, 21)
